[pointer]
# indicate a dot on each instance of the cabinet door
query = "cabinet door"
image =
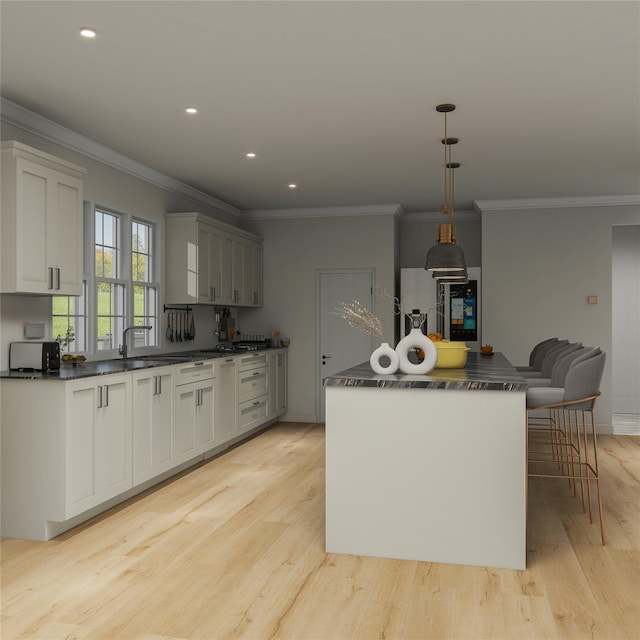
(48, 230)
(205, 415)
(215, 267)
(257, 276)
(65, 235)
(31, 251)
(152, 423)
(237, 271)
(281, 383)
(225, 400)
(226, 270)
(247, 275)
(184, 421)
(80, 434)
(277, 383)
(113, 437)
(204, 264)
(98, 441)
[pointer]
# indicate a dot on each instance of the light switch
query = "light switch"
(592, 299)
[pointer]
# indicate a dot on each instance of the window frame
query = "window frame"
(125, 279)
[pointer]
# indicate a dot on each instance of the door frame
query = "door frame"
(319, 274)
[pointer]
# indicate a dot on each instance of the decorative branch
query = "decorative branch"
(360, 318)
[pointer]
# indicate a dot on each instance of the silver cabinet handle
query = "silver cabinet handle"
(106, 395)
(50, 271)
(256, 373)
(100, 397)
(159, 385)
(57, 278)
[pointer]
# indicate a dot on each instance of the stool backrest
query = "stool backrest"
(553, 354)
(564, 363)
(583, 380)
(538, 361)
(536, 349)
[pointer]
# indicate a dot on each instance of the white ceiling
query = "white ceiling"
(339, 97)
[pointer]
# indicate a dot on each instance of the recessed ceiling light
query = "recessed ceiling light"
(87, 32)
(251, 154)
(191, 110)
(293, 186)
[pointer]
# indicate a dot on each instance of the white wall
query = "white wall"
(538, 267)
(626, 320)
(121, 192)
(293, 250)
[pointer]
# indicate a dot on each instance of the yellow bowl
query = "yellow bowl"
(451, 355)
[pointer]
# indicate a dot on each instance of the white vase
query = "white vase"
(416, 340)
(384, 350)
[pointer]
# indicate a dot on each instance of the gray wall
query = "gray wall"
(538, 268)
(293, 250)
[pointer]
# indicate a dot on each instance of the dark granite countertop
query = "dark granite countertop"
(88, 368)
(481, 373)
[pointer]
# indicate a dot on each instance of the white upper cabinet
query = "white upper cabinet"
(41, 222)
(210, 262)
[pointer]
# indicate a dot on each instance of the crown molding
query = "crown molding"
(438, 216)
(484, 206)
(323, 212)
(22, 118)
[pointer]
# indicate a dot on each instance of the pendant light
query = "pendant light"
(446, 255)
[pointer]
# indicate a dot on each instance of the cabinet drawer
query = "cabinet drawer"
(252, 361)
(194, 371)
(253, 383)
(252, 413)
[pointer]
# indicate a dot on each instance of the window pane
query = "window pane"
(111, 320)
(145, 314)
(107, 253)
(141, 252)
(69, 322)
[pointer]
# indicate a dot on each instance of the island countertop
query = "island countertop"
(481, 373)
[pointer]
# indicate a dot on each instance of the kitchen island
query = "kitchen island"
(428, 467)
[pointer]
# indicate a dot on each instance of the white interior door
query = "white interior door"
(339, 346)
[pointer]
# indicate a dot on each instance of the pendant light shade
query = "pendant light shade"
(446, 255)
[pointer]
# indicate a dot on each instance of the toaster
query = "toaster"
(34, 356)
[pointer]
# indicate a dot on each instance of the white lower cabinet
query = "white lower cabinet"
(226, 425)
(253, 390)
(98, 440)
(193, 410)
(277, 383)
(85, 442)
(152, 423)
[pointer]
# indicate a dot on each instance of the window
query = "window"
(69, 322)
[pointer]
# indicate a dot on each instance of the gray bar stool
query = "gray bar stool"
(566, 445)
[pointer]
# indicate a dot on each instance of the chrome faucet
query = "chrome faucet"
(122, 350)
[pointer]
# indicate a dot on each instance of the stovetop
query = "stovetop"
(235, 348)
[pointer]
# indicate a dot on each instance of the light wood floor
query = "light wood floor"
(235, 549)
